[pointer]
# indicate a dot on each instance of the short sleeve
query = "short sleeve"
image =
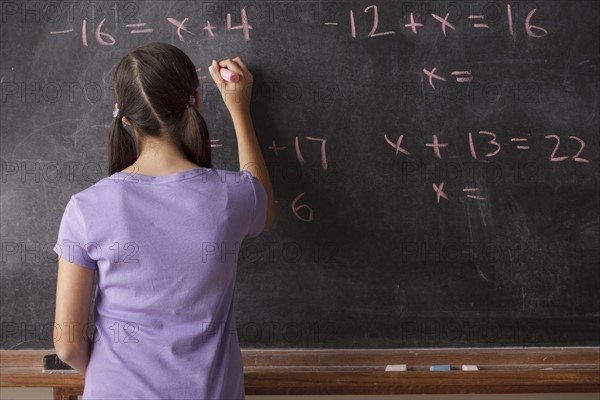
(72, 239)
(259, 214)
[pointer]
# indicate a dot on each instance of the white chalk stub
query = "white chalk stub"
(395, 368)
(470, 368)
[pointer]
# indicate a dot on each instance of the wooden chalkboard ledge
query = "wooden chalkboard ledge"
(352, 371)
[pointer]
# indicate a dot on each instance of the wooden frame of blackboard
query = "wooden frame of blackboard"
(362, 371)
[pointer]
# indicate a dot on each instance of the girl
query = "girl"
(163, 232)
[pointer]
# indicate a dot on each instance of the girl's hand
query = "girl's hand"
(235, 95)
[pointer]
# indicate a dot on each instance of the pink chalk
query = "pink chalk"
(227, 74)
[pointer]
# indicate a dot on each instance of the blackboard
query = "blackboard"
(435, 164)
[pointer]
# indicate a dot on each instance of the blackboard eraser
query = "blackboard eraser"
(470, 368)
(395, 368)
(54, 365)
(227, 74)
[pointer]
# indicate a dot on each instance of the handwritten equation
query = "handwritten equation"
(494, 147)
(106, 39)
(478, 22)
(208, 29)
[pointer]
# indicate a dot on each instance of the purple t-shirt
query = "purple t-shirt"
(166, 250)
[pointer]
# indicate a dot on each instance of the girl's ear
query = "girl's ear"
(125, 121)
(197, 98)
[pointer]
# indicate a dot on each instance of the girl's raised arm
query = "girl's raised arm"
(237, 99)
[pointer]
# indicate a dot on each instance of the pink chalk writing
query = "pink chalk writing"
(459, 78)
(444, 22)
(374, 32)
(140, 25)
(84, 33)
(101, 36)
(471, 193)
(436, 146)
(180, 27)
(57, 32)
(520, 146)
(397, 145)
(439, 192)
(553, 156)
(478, 22)
(530, 28)
(298, 153)
(432, 76)
(106, 39)
(323, 152)
(478, 25)
(209, 28)
(493, 146)
(296, 209)
(510, 20)
(575, 157)
(275, 148)
(483, 144)
(473, 196)
(413, 25)
(245, 27)
(492, 142)
(582, 145)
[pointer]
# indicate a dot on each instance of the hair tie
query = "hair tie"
(116, 113)
(192, 100)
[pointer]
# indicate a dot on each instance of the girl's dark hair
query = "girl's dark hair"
(152, 86)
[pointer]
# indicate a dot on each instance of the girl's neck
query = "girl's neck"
(159, 156)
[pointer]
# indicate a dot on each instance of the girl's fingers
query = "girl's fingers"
(214, 72)
(242, 65)
(232, 66)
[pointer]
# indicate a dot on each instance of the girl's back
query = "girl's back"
(165, 310)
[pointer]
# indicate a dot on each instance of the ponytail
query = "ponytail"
(193, 136)
(122, 151)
